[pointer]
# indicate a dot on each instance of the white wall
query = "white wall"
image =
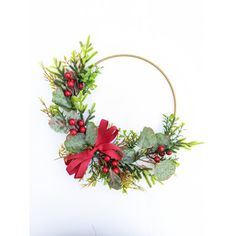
(173, 34)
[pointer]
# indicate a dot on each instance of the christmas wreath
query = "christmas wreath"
(118, 158)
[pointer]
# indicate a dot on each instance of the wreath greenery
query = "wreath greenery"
(118, 158)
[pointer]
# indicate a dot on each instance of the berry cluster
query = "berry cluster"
(110, 163)
(161, 152)
(72, 84)
(79, 126)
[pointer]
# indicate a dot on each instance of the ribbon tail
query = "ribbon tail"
(78, 163)
(82, 169)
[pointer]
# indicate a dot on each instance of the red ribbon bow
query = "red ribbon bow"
(78, 163)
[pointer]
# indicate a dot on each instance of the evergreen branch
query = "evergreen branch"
(45, 109)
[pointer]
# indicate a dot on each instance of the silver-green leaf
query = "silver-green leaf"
(162, 139)
(58, 124)
(71, 114)
(91, 133)
(147, 138)
(59, 98)
(76, 143)
(164, 170)
(129, 156)
(115, 181)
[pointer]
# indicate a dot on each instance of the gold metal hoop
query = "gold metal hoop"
(149, 62)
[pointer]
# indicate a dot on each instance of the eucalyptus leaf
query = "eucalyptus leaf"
(115, 180)
(58, 124)
(129, 156)
(162, 139)
(76, 143)
(164, 170)
(91, 133)
(147, 138)
(71, 114)
(59, 98)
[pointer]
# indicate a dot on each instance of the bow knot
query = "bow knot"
(77, 164)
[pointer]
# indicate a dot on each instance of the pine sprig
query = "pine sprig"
(174, 130)
(128, 138)
(50, 77)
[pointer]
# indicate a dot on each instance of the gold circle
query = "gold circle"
(151, 63)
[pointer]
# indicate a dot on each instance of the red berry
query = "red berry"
(72, 121)
(157, 159)
(73, 132)
(67, 93)
(169, 152)
(116, 170)
(71, 83)
(80, 123)
(162, 154)
(81, 86)
(107, 158)
(105, 169)
(161, 148)
(82, 129)
(68, 75)
(114, 163)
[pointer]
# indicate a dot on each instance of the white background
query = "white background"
(194, 43)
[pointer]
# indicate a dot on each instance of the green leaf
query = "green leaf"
(164, 170)
(76, 143)
(162, 139)
(91, 133)
(147, 138)
(59, 98)
(115, 181)
(129, 157)
(58, 124)
(71, 115)
(78, 102)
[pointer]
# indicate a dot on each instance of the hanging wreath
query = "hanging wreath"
(118, 158)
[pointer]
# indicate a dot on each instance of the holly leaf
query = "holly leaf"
(76, 143)
(147, 138)
(164, 170)
(58, 124)
(129, 156)
(59, 98)
(91, 133)
(115, 180)
(162, 139)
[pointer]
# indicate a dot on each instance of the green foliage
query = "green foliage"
(115, 180)
(130, 156)
(75, 144)
(91, 113)
(128, 138)
(87, 52)
(45, 109)
(174, 130)
(147, 138)
(58, 124)
(54, 110)
(91, 133)
(164, 170)
(57, 69)
(59, 99)
(78, 102)
(88, 76)
(162, 139)
(70, 114)
(50, 77)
